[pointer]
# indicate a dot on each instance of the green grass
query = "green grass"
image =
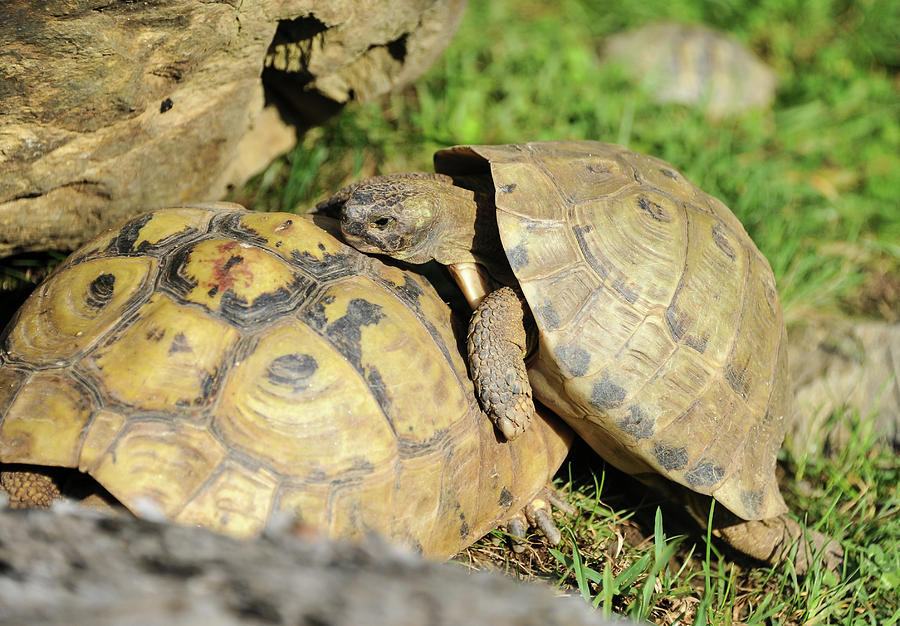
(815, 180)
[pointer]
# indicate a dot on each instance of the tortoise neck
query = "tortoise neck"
(470, 233)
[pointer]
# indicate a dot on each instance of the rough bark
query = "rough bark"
(67, 568)
(110, 107)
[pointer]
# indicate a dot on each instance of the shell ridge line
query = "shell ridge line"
(686, 232)
(590, 255)
(726, 471)
(693, 207)
(717, 375)
(663, 362)
(741, 237)
(240, 456)
(738, 397)
(97, 403)
(555, 270)
(12, 398)
(446, 482)
(615, 357)
(740, 316)
(322, 333)
(720, 424)
(709, 381)
(430, 328)
(746, 442)
(201, 487)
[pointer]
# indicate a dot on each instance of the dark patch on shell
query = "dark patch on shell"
(655, 211)
(233, 260)
(625, 291)
(345, 334)
(231, 224)
(637, 423)
(292, 370)
(155, 334)
(166, 105)
(736, 376)
(129, 233)
(675, 320)
(697, 342)
(752, 501)
(101, 291)
(669, 173)
(232, 307)
(721, 241)
(330, 266)
(593, 261)
(607, 395)
(179, 344)
(506, 499)
(573, 358)
(548, 316)
(463, 530)
(208, 386)
(237, 310)
(670, 457)
(507, 188)
(518, 257)
(348, 328)
(409, 292)
(703, 474)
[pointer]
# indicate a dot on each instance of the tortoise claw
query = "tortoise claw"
(516, 527)
(538, 514)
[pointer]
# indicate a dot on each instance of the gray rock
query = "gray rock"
(693, 65)
(840, 370)
(77, 568)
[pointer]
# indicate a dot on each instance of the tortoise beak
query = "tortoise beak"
(361, 244)
(354, 231)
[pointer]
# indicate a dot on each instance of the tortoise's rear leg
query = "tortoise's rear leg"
(769, 540)
(35, 488)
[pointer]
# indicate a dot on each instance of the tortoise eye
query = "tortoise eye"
(382, 222)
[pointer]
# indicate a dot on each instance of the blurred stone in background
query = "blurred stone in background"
(842, 371)
(693, 65)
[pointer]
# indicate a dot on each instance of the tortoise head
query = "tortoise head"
(412, 217)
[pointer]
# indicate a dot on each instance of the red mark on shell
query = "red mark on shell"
(228, 269)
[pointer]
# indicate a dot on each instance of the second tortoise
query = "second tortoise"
(660, 336)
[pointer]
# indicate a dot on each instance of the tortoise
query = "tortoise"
(217, 367)
(660, 336)
(693, 65)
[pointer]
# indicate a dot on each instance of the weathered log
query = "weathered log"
(58, 568)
